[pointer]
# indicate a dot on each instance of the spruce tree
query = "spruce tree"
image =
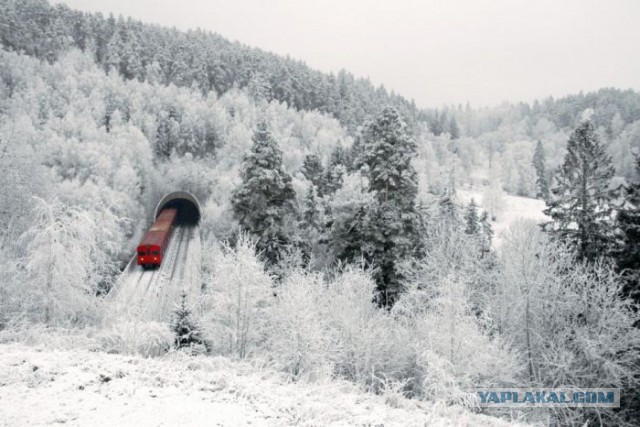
(313, 171)
(392, 231)
(542, 186)
(185, 328)
(472, 222)
(338, 162)
(265, 197)
(310, 211)
(628, 250)
(581, 202)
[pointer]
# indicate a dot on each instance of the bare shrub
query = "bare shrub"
(147, 339)
(454, 352)
(237, 290)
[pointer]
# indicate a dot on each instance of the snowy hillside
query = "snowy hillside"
(194, 231)
(514, 208)
(87, 388)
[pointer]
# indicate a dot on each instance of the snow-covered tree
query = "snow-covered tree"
(472, 222)
(454, 129)
(539, 163)
(311, 211)
(627, 252)
(184, 326)
(392, 231)
(336, 169)
(59, 246)
(582, 201)
(455, 351)
(568, 319)
(23, 177)
(236, 293)
(265, 197)
(313, 171)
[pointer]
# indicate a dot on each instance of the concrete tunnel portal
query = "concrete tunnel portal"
(188, 206)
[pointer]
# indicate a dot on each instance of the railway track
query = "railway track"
(151, 294)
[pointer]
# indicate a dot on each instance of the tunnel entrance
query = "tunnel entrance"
(188, 206)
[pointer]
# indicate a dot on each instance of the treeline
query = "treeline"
(212, 63)
(612, 108)
(194, 58)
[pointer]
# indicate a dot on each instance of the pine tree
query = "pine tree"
(186, 330)
(471, 219)
(628, 250)
(542, 186)
(393, 230)
(265, 196)
(582, 202)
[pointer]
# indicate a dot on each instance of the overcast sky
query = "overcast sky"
(481, 51)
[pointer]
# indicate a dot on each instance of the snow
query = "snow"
(41, 386)
(514, 208)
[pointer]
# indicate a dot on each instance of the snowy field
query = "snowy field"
(514, 208)
(77, 387)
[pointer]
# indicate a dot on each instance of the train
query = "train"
(152, 247)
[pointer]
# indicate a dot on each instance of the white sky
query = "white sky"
(453, 51)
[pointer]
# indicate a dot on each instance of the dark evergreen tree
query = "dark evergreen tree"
(356, 153)
(336, 169)
(628, 251)
(388, 151)
(310, 211)
(265, 198)
(186, 329)
(539, 164)
(313, 171)
(472, 222)
(582, 201)
(392, 231)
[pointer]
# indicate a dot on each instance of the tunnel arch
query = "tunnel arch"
(189, 208)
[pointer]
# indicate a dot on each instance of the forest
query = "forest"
(339, 245)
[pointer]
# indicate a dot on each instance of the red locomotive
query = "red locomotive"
(152, 247)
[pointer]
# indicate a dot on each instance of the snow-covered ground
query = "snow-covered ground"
(514, 208)
(151, 294)
(40, 386)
